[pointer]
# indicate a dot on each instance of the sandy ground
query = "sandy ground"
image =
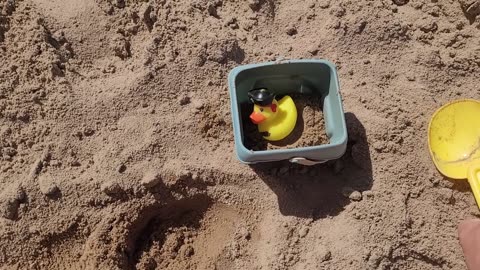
(116, 141)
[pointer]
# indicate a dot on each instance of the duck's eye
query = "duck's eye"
(261, 109)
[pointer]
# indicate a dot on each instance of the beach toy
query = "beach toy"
(454, 142)
(275, 119)
(313, 77)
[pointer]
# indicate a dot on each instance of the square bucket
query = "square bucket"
(318, 77)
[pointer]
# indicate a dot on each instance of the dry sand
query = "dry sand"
(117, 149)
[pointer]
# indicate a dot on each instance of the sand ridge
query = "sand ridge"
(116, 141)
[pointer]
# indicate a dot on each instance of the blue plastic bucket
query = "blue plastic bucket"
(318, 77)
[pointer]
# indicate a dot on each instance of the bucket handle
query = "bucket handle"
(306, 161)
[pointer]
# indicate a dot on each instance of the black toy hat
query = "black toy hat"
(261, 96)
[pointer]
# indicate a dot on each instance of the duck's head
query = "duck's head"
(265, 106)
(263, 113)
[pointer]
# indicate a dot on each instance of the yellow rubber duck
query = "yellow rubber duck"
(275, 119)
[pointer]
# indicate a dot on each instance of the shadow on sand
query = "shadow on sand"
(319, 191)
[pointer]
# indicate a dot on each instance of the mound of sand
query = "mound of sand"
(116, 142)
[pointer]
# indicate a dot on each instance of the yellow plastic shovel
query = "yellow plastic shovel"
(454, 142)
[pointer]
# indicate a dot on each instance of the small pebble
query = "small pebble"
(88, 132)
(324, 254)
(244, 233)
(338, 11)
(313, 50)
(415, 193)
(324, 4)
(47, 184)
(150, 179)
(111, 188)
(198, 104)
(400, 2)
(303, 232)
(291, 30)
(121, 168)
(55, 163)
(446, 195)
(355, 196)
(184, 174)
(75, 163)
(184, 100)
(360, 27)
(10, 200)
(119, 3)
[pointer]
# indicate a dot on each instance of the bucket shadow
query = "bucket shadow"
(471, 16)
(319, 191)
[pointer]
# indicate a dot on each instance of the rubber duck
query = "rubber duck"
(275, 119)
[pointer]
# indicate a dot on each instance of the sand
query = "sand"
(116, 140)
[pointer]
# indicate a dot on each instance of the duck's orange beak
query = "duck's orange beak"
(257, 118)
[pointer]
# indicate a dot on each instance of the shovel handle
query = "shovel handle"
(474, 180)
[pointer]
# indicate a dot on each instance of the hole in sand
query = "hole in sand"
(187, 234)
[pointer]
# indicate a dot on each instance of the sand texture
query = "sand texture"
(116, 139)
